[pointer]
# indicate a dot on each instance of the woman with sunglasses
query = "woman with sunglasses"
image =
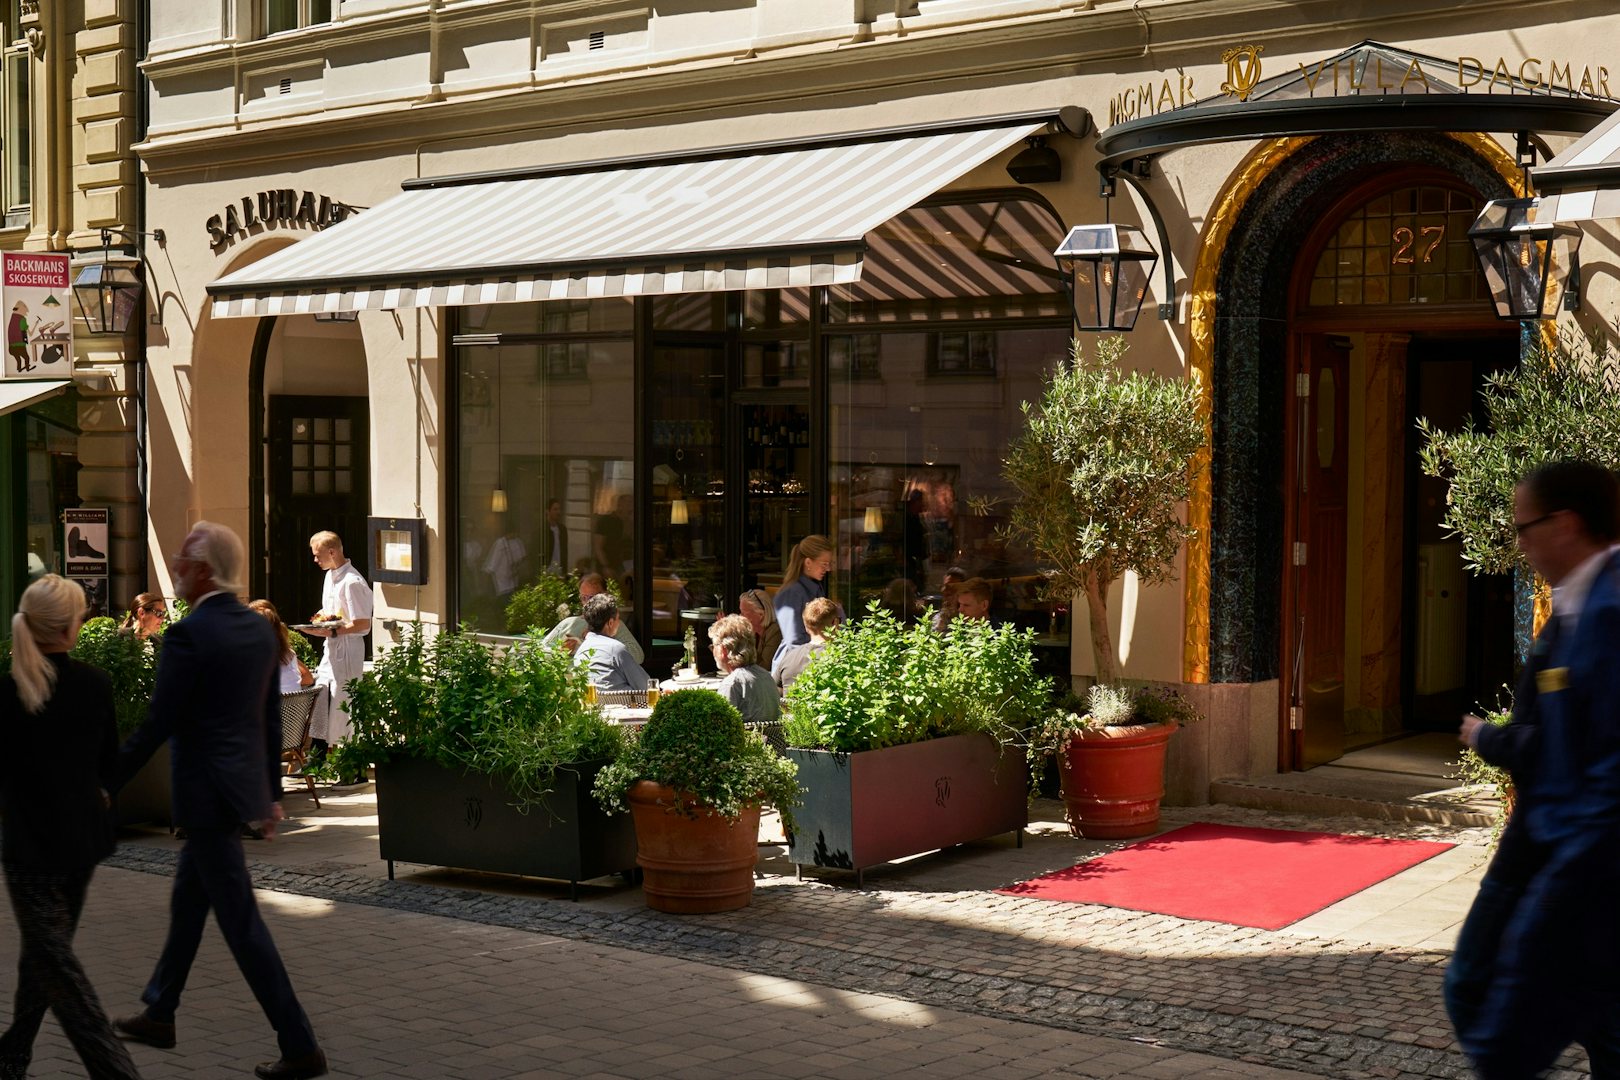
(146, 615)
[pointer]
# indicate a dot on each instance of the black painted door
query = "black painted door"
(319, 479)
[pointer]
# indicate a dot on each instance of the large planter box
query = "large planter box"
(148, 797)
(876, 805)
(437, 816)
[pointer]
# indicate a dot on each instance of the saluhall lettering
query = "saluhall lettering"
(281, 206)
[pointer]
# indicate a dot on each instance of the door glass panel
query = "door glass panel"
(776, 364)
(1326, 404)
(687, 403)
(776, 499)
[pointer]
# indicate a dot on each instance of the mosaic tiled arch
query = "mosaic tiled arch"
(1249, 353)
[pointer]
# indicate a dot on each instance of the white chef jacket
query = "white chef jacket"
(344, 658)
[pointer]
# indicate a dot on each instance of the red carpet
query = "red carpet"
(1265, 878)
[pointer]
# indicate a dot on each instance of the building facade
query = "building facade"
(70, 429)
(688, 284)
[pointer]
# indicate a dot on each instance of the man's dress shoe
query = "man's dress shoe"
(143, 1028)
(298, 1068)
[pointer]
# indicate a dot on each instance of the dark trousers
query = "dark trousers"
(212, 875)
(49, 976)
(1533, 970)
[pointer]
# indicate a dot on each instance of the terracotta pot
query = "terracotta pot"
(692, 865)
(1113, 780)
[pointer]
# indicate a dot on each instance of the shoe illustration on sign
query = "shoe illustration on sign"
(80, 548)
(84, 542)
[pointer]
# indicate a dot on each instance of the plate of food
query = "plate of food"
(321, 620)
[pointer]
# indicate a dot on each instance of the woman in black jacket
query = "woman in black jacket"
(61, 739)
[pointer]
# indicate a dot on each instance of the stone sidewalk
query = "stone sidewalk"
(1353, 991)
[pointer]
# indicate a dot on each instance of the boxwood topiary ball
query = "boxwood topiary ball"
(698, 722)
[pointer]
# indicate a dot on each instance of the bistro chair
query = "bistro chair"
(632, 698)
(297, 710)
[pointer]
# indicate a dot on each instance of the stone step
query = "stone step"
(1356, 792)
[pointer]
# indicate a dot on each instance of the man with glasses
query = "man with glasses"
(1537, 964)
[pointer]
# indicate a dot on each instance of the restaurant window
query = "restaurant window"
(920, 414)
(15, 122)
(1408, 246)
(545, 415)
(283, 15)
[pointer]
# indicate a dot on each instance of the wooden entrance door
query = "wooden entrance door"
(1315, 598)
(319, 479)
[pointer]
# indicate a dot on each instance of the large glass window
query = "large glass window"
(280, 15)
(921, 414)
(546, 480)
(15, 158)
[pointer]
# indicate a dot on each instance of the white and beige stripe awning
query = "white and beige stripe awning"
(1583, 183)
(20, 393)
(756, 218)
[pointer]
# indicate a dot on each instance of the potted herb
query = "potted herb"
(485, 761)
(1110, 753)
(131, 662)
(695, 780)
(901, 737)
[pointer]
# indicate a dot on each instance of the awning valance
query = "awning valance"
(19, 393)
(1583, 183)
(777, 217)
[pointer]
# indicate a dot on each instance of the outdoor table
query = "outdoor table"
(631, 716)
(702, 682)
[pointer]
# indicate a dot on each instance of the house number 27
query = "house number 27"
(1428, 237)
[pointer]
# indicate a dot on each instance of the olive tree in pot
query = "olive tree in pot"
(1102, 467)
(902, 738)
(695, 780)
(1558, 404)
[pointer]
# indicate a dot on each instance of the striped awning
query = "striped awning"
(757, 218)
(20, 393)
(1583, 183)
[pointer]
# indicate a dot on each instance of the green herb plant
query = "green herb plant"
(131, 662)
(878, 683)
(448, 698)
(696, 744)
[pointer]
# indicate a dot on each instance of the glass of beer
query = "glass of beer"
(590, 693)
(652, 696)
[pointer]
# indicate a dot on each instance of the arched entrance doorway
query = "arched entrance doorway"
(1384, 631)
(1327, 346)
(309, 413)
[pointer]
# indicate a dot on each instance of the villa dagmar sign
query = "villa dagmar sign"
(36, 296)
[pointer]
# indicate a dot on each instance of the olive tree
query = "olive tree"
(1101, 468)
(1561, 402)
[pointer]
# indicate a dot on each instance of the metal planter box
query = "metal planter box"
(870, 807)
(429, 814)
(148, 797)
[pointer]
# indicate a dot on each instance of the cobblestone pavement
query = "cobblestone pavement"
(931, 932)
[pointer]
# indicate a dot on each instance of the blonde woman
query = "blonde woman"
(58, 711)
(808, 570)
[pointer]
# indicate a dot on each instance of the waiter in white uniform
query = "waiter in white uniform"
(346, 594)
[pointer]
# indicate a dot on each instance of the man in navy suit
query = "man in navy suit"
(1537, 964)
(217, 703)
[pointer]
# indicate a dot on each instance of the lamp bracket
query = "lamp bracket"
(1167, 297)
(1572, 287)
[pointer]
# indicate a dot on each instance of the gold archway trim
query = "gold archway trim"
(1260, 163)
